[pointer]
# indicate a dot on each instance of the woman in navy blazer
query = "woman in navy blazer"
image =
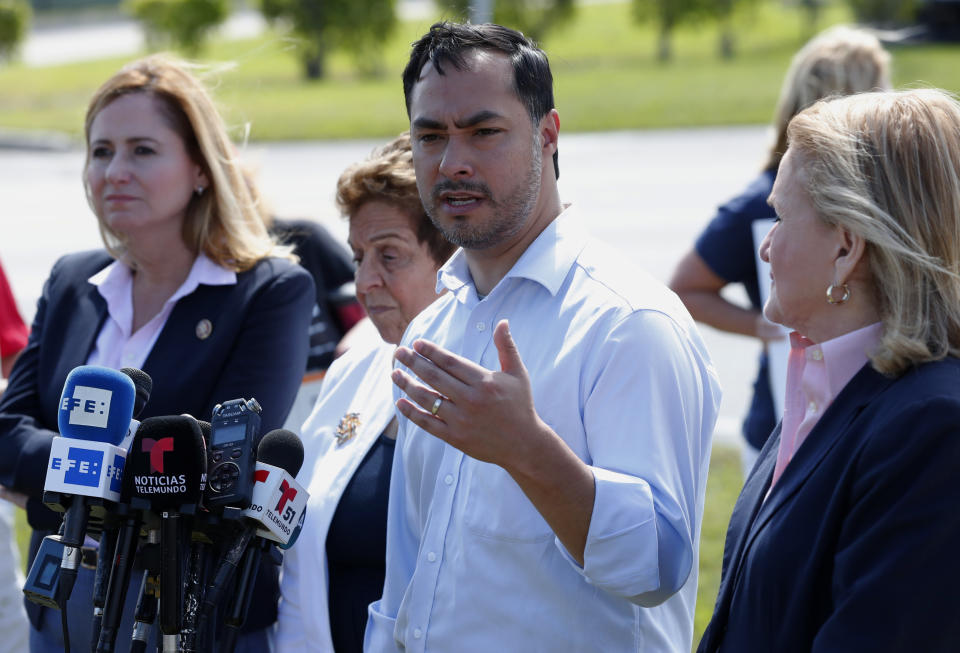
(191, 289)
(844, 537)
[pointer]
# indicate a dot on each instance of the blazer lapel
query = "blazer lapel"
(744, 513)
(194, 318)
(862, 389)
(751, 512)
(87, 318)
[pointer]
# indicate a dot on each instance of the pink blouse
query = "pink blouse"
(815, 376)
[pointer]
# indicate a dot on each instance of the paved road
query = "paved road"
(646, 192)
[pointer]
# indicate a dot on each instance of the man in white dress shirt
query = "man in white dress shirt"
(556, 403)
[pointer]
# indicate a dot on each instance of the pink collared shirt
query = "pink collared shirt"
(815, 376)
(116, 346)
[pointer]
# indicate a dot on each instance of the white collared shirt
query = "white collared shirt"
(117, 346)
(620, 372)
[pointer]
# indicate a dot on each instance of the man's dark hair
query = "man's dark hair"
(447, 43)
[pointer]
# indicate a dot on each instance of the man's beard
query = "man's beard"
(508, 216)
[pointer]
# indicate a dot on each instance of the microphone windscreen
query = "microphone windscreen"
(144, 386)
(96, 404)
(166, 463)
(205, 429)
(281, 448)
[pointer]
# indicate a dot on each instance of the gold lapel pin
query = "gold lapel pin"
(347, 427)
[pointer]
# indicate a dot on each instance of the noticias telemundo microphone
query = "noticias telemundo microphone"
(162, 483)
(85, 466)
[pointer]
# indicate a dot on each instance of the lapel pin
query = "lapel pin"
(347, 427)
(204, 329)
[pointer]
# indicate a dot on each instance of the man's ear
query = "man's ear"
(549, 131)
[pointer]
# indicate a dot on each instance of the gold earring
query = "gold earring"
(832, 288)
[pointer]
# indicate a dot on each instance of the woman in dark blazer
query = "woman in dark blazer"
(191, 289)
(845, 535)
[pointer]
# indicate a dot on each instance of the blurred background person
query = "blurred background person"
(841, 60)
(844, 536)
(191, 289)
(13, 331)
(14, 626)
(337, 568)
(335, 312)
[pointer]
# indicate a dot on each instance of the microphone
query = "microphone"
(143, 385)
(173, 488)
(275, 508)
(191, 639)
(164, 477)
(96, 407)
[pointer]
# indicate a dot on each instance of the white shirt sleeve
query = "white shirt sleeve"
(652, 398)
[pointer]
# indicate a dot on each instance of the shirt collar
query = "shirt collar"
(547, 260)
(115, 282)
(842, 356)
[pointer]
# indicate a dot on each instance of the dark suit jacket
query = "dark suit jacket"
(856, 547)
(257, 348)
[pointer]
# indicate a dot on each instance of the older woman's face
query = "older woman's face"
(139, 174)
(801, 249)
(396, 275)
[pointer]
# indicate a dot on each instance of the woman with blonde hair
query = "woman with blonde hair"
(844, 536)
(840, 61)
(191, 289)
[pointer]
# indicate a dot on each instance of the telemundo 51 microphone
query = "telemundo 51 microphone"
(85, 463)
(274, 511)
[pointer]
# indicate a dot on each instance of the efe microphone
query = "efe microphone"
(96, 407)
(143, 385)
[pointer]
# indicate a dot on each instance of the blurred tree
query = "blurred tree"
(185, 24)
(532, 17)
(722, 11)
(14, 20)
(667, 14)
(357, 26)
(811, 8)
(883, 12)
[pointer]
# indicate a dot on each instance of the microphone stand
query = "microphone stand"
(240, 603)
(145, 614)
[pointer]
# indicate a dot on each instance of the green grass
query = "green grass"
(605, 73)
(723, 486)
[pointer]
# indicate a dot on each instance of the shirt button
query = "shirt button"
(417, 633)
(481, 326)
(432, 557)
(448, 479)
(812, 407)
(816, 355)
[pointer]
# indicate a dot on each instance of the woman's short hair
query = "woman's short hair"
(223, 222)
(841, 60)
(886, 166)
(387, 176)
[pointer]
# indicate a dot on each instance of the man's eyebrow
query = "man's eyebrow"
(470, 121)
(477, 118)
